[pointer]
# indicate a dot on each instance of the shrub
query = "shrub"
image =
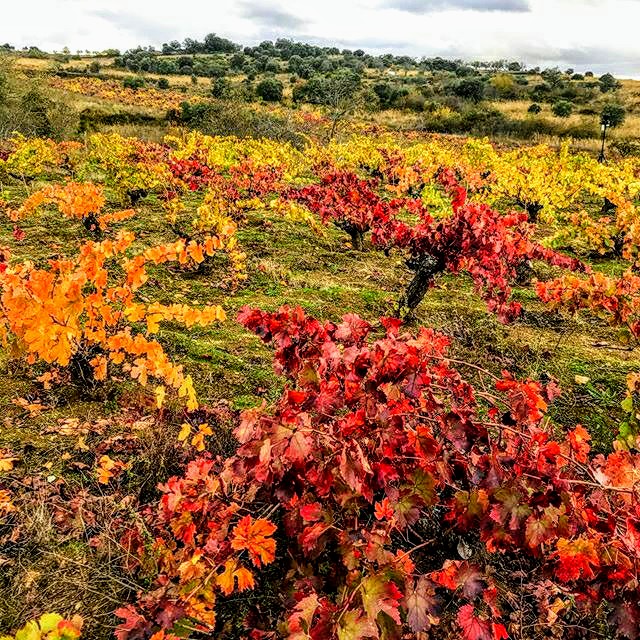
(36, 106)
(505, 86)
(32, 109)
(534, 108)
(562, 108)
(608, 83)
(617, 299)
(627, 147)
(270, 90)
(613, 115)
(133, 82)
(220, 88)
(470, 89)
(388, 94)
(234, 119)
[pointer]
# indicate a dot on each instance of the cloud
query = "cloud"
(599, 59)
(150, 31)
(371, 45)
(428, 6)
(265, 15)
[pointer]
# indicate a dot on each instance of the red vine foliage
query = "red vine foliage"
(616, 299)
(489, 246)
(398, 500)
(349, 202)
(192, 173)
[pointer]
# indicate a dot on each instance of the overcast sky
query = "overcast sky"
(601, 35)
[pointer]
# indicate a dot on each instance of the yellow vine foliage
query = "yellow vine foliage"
(50, 626)
(30, 157)
(128, 165)
(225, 152)
(212, 231)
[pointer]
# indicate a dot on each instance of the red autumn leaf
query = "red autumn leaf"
(296, 397)
(576, 559)
(18, 233)
(133, 625)
(384, 510)
(352, 329)
(579, 441)
(309, 536)
(299, 447)
(311, 512)
(472, 627)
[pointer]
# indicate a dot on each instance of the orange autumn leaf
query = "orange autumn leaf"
(6, 460)
(195, 251)
(6, 506)
(245, 579)
(162, 635)
(232, 572)
(99, 364)
(255, 538)
(109, 469)
(225, 579)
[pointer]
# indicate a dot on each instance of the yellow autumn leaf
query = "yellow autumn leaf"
(185, 431)
(198, 440)
(6, 461)
(153, 322)
(160, 396)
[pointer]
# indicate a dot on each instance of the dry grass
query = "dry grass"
(518, 110)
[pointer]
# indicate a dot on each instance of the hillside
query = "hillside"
(497, 98)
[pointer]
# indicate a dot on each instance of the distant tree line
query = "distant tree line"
(286, 56)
